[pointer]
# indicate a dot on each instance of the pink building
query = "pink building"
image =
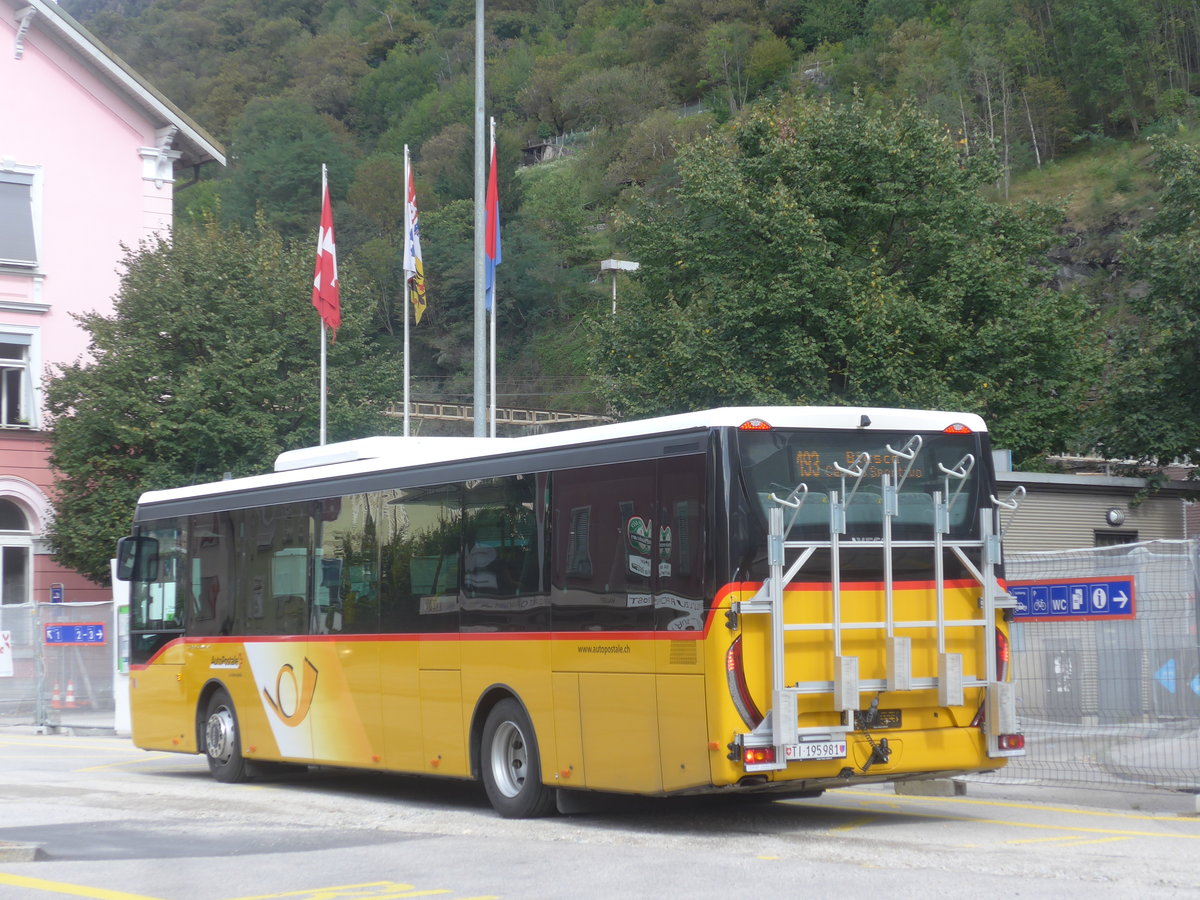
(89, 153)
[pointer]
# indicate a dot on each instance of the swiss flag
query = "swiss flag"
(325, 278)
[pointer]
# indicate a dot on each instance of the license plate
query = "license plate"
(815, 750)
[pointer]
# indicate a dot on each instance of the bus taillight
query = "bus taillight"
(754, 425)
(956, 428)
(1003, 653)
(735, 674)
(754, 756)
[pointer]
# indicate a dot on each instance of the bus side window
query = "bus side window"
(604, 547)
(157, 603)
(504, 556)
(271, 569)
(347, 589)
(680, 598)
(420, 539)
(212, 589)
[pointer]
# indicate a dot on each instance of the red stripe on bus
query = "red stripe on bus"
(737, 587)
(805, 586)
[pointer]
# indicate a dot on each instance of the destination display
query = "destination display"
(817, 464)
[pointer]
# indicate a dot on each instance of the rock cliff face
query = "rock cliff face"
(1093, 258)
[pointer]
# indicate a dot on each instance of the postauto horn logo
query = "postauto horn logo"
(293, 698)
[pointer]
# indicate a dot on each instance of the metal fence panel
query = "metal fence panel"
(18, 694)
(62, 665)
(1112, 702)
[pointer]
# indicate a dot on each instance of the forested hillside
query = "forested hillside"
(613, 117)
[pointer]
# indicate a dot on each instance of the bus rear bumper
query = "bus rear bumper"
(872, 757)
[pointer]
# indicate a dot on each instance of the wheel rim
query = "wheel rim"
(510, 759)
(219, 734)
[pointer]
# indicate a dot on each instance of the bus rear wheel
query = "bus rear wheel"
(512, 771)
(223, 740)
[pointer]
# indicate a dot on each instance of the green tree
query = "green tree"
(327, 72)
(726, 60)
(1149, 408)
(278, 148)
(835, 254)
(209, 364)
(385, 93)
(609, 98)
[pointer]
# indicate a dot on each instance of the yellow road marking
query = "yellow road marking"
(1043, 840)
(72, 744)
(72, 890)
(1078, 829)
(1009, 804)
(1067, 841)
(856, 823)
(131, 762)
(886, 803)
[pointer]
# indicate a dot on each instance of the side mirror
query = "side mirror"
(137, 559)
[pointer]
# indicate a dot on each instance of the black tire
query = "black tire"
(511, 766)
(223, 740)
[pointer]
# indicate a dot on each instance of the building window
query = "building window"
(16, 547)
(1114, 538)
(18, 244)
(16, 381)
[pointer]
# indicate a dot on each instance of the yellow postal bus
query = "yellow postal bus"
(777, 599)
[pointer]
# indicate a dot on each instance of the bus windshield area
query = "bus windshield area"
(154, 602)
(806, 469)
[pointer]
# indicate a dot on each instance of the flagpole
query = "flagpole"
(404, 293)
(479, 356)
(323, 330)
(492, 326)
(324, 327)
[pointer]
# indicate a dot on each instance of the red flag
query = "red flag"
(325, 278)
(491, 239)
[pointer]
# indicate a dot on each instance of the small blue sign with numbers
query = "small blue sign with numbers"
(1073, 599)
(75, 633)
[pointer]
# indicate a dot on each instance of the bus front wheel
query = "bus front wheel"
(223, 740)
(512, 771)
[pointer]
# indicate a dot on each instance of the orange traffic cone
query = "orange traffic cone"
(55, 698)
(70, 704)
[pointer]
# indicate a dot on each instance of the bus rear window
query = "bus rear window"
(810, 467)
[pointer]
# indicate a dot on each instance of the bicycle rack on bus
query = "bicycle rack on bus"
(780, 727)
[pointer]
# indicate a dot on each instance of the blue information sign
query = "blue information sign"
(75, 633)
(1074, 599)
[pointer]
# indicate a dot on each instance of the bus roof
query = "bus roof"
(380, 454)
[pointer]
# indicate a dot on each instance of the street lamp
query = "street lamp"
(615, 266)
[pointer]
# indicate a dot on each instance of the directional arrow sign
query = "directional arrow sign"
(1074, 599)
(1166, 675)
